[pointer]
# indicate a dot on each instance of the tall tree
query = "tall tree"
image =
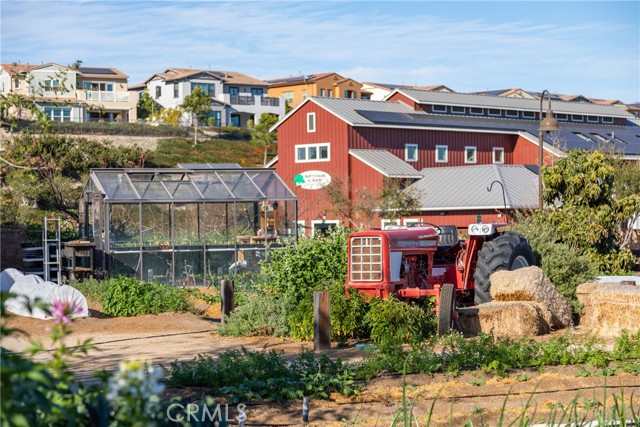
(198, 104)
(261, 134)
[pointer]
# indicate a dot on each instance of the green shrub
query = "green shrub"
(564, 265)
(113, 128)
(93, 289)
(261, 314)
(393, 318)
(130, 297)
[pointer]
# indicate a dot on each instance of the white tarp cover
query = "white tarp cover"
(31, 288)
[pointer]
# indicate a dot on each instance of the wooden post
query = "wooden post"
(321, 321)
(628, 282)
(226, 294)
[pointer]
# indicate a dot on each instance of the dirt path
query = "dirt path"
(164, 338)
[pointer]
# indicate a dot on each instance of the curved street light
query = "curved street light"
(547, 125)
(504, 198)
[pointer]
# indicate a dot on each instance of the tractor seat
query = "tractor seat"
(448, 237)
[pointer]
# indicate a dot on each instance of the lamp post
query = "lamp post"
(504, 198)
(547, 125)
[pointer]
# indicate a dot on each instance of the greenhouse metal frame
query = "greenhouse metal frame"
(186, 226)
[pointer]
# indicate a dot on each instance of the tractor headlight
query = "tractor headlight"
(486, 229)
(480, 229)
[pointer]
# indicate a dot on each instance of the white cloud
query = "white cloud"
(274, 39)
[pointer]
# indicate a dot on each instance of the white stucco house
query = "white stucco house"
(235, 97)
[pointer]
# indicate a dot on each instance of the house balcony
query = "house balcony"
(99, 96)
(251, 100)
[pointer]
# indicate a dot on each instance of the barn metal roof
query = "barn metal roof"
(386, 163)
(465, 187)
(188, 185)
(520, 104)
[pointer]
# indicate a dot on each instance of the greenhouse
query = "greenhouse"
(190, 225)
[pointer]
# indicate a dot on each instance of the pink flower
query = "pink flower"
(62, 311)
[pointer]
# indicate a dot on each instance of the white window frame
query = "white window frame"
(476, 112)
(300, 224)
(453, 109)
(528, 115)
(590, 119)
(329, 93)
(321, 92)
(516, 115)
(436, 108)
(406, 153)
(287, 97)
(306, 147)
(489, 113)
(577, 118)
(409, 221)
(311, 122)
(498, 150)
(385, 222)
(314, 222)
(16, 83)
(607, 120)
(475, 156)
(446, 154)
(304, 93)
(562, 117)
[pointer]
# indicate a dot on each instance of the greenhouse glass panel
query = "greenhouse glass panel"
(241, 186)
(185, 224)
(248, 261)
(125, 226)
(125, 264)
(212, 188)
(116, 186)
(156, 229)
(214, 224)
(271, 185)
(183, 190)
(158, 267)
(153, 191)
(218, 265)
(247, 221)
(189, 268)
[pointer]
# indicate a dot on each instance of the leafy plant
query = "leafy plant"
(262, 314)
(403, 320)
(131, 297)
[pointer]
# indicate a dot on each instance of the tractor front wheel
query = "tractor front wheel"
(507, 251)
(445, 309)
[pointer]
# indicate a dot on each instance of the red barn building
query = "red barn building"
(363, 142)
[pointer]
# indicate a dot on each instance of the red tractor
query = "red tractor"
(427, 260)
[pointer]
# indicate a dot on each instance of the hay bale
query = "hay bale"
(612, 308)
(531, 284)
(583, 294)
(515, 319)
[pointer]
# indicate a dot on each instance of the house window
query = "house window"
(311, 122)
(577, 118)
(312, 153)
(562, 117)
(607, 120)
(51, 84)
(439, 108)
(321, 92)
(592, 119)
(288, 97)
(98, 87)
(322, 227)
(498, 155)
(176, 90)
(304, 93)
(350, 94)
(58, 114)
(389, 223)
(470, 154)
(411, 152)
(457, 110)
(476, 111)
(208, 89)
(16, 83)
(511, 113)
(442, 154)
(158, 91)
(233, 91)
(528, 115)
(330, 93)
(495, 112)
(257, 91)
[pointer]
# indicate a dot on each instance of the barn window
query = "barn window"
(498, 155)
(411, 152)
(311, 122)
(470, 154)
(442, 154)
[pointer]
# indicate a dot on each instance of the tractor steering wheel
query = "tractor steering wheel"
(422, 224)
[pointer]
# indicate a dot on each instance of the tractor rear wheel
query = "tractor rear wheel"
(507, 251)
(445, 308)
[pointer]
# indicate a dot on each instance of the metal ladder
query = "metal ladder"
(51, 261)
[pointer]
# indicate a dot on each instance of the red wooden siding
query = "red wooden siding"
(292, 132)
(402, 98)
(461, 219)
(526, 152)
(394, 140)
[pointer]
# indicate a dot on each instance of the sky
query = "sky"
(590, 48)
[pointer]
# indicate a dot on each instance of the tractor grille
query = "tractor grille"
(366, 259)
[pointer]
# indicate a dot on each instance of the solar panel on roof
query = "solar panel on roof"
(93, 70)
(217, 73)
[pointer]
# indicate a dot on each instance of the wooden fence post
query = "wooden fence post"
(321, 321)
(226, 295)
